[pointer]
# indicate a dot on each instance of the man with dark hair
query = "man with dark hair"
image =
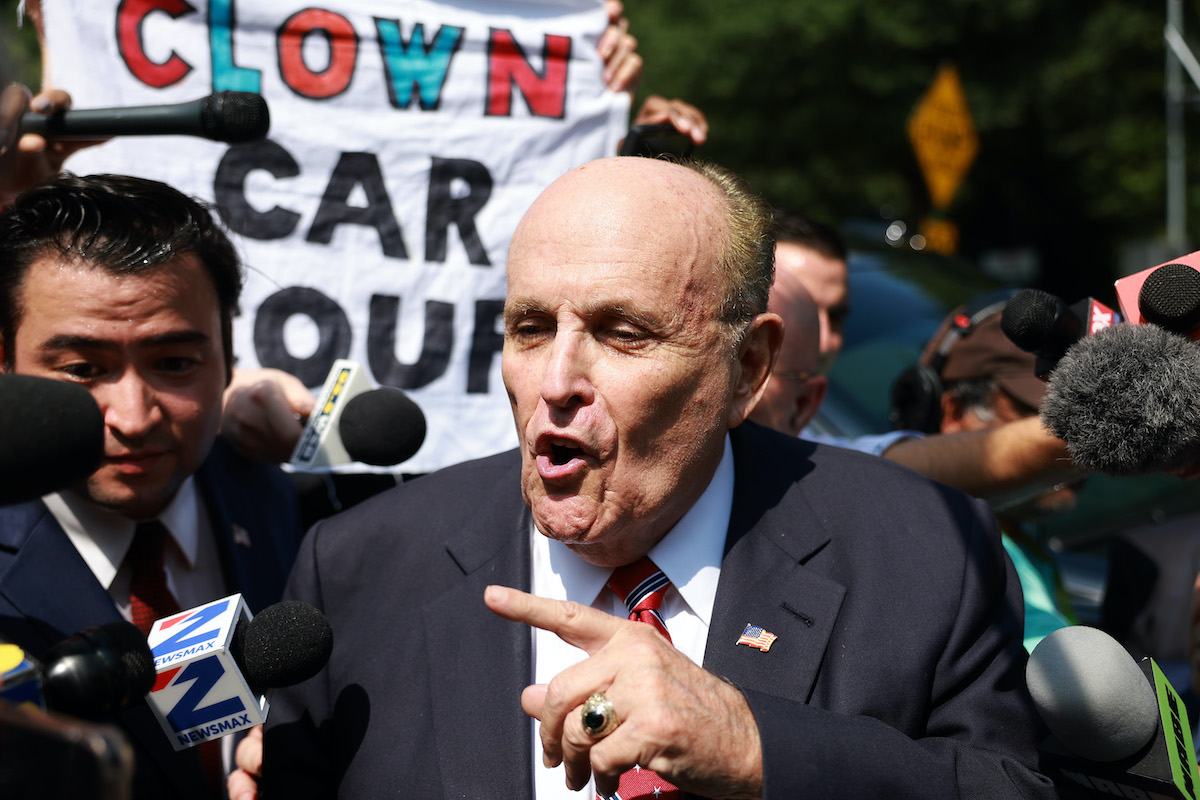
(128, 288)
(813, 253)
(705, 605)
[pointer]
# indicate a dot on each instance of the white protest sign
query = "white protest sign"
(406, 140)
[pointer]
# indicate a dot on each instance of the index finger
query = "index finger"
(578, 625)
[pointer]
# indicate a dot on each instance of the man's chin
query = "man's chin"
(561, 525)
(585, 535)
(137, 500)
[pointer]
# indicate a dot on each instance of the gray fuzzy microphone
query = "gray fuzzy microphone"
(1091, 694)
(1127, 400)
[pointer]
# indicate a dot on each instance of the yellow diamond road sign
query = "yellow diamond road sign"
(943, 136)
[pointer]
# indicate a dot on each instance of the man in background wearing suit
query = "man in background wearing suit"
(128, 288)
(804, 621)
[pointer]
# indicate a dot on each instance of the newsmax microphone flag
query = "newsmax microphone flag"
(215, 662)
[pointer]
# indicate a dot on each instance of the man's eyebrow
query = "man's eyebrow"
(515, 309)
(65, 341)
(643, 319)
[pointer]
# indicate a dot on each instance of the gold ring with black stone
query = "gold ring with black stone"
(599, 717)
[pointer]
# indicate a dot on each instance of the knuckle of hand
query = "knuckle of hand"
(576, 739)
(670, 728)
(571, 611)
(556, 693)
(605, 762)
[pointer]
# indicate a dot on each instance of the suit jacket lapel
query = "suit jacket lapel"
(479, 663)
(49, 582)
(237, 560)
(764, 581)
(52, 586)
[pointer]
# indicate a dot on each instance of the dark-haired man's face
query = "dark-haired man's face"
(149, 349)
(827, 280)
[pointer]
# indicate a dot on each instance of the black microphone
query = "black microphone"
(51, 436)
(1118, 727)
(97, 672)
(353, 422)
(231, 117)
(1127, 400)
(1040, 323)
(382, 427)
(1170, 298)
(214, 663)
(283, 644)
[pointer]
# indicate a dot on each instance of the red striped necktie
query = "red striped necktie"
(150, 599)
(642, 587)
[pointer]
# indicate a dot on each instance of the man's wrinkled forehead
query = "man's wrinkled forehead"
(631, 190)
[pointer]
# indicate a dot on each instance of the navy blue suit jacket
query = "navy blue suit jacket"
(898, 670)
(47, 591)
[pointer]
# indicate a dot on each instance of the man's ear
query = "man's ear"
(807, 403)
(952, 414)
(756, 356)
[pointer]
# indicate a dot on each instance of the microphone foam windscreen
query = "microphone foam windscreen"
(284, 644)
(98, 671)
(1029, 318)
(137, 662)
(382, 427)
(51, 436)
(1091, 694)
(235, 117)
(1170, 297)
(1127, 400)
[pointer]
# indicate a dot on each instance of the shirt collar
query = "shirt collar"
(103, 537)
(690, 554)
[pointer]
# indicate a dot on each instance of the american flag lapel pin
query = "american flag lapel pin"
(754, 636)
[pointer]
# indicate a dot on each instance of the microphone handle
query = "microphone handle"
(184, 119)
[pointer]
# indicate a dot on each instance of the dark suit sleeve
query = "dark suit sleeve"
(981, 728)
(299, 747)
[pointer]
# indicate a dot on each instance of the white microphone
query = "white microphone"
(1119, 727)
(352, 421)
(199, 692)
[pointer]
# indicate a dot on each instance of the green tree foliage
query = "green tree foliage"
(20, 58)
(809, 100)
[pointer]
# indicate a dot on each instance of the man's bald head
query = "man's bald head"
(740, 230)
(796, 388)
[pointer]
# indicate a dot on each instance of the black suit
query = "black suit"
(897, 672)
(48, 592)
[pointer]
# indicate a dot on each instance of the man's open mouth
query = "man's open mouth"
(563, 453)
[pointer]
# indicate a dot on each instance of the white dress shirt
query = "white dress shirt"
(191, 561)
(103, 538)
(689, 555)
